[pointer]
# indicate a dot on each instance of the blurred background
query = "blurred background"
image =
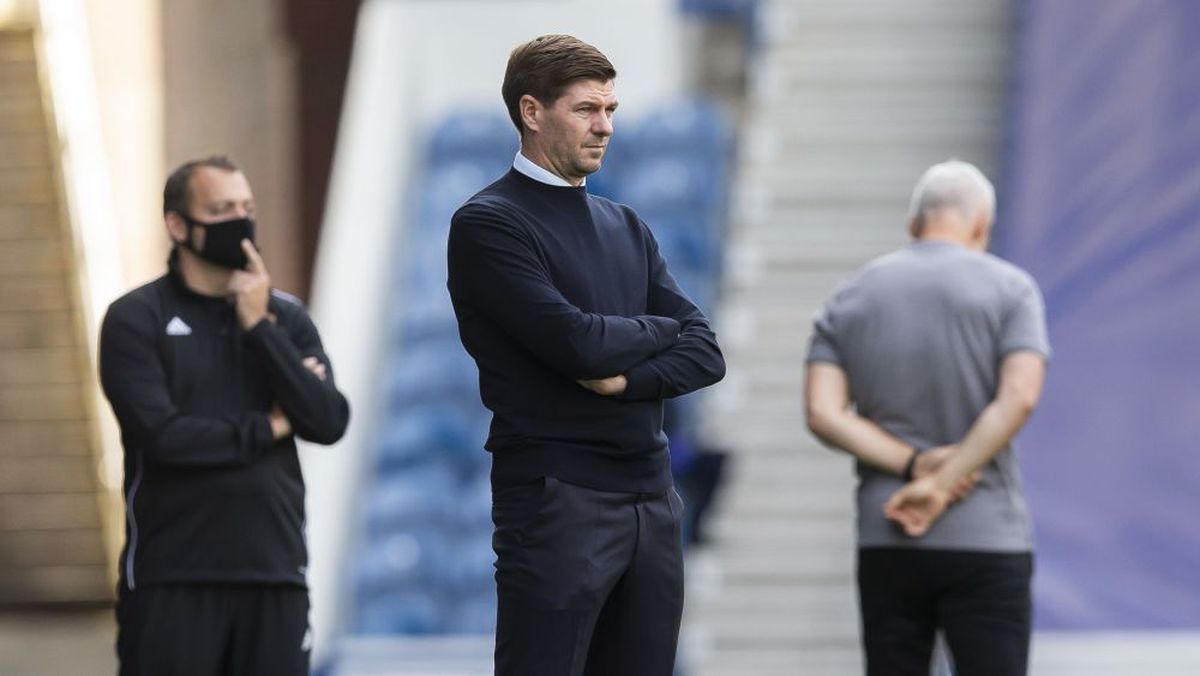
(770, 144)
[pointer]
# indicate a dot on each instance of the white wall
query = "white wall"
(412, 61)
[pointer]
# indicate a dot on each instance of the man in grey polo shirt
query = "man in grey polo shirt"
(924, 366)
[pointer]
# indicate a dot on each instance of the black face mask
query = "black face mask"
(222, 240)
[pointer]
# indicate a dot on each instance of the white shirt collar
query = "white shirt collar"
(532, 170)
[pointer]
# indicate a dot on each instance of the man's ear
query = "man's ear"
(531, 112)
(982, 231)
(177, 229)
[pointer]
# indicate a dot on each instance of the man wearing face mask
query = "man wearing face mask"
(212, 374)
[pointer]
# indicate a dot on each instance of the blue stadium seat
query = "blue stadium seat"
(673, 183)
(472, 614)
(474, 504)
(421, 493)
(699, 287)
(448, 433)
(427, 321)
(413, 557)
(410, 611)
(687, 128)
(604, 183)
(687, 242)
(470, 567)
(719, 9)
(431, 372)
(474, 135)
(447, 185)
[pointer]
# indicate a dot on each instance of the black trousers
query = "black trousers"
(980, 601)
(213, 630)
(589, 582)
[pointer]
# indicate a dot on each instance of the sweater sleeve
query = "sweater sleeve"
(135, 382)
(316, 409)
(494, 268)
(694, 361)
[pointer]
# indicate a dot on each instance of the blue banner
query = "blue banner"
(1101, 203)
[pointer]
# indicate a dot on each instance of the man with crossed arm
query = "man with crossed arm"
(579, 332)
(212, 374)
(924, 366)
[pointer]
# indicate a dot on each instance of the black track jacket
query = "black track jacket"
(209, 496)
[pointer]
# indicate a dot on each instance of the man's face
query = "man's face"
(574, 131)
(215, 195)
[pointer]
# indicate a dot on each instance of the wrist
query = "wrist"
(253, 322)
(944, 479)
(910, 466)
(249, 322)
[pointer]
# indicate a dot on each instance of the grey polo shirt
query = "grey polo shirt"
(920, 334)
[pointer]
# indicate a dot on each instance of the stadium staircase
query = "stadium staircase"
(51, 541)
(852, 99)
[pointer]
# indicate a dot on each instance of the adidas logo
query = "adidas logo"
(177, 327)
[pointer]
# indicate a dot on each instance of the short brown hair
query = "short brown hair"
(545, 66)
(177, 194)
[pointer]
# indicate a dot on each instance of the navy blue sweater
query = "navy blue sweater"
(551, 285)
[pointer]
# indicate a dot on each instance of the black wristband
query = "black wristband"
(908, 466)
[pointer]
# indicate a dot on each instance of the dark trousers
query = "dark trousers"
(589, 582)
(213, 630)
(980, 601)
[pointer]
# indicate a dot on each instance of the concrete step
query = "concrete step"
(51, 541)
(853, 99)
(929, 17)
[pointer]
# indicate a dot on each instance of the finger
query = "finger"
(895, 506)
(254, 262)
(913, 524)
(909, 518)
(311, 362)
(916, 527)
(893, 503)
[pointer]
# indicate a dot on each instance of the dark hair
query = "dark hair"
(177, 194)
(545, 66)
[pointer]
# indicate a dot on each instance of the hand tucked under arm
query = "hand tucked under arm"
(301, 379)
(694, 361)
(607, 387)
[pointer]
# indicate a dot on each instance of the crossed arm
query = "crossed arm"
(941, 474)
(137, 385)
(666, 352)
